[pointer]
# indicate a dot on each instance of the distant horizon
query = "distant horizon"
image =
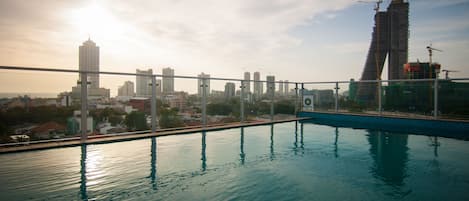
(31, 95)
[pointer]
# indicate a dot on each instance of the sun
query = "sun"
(95, 21)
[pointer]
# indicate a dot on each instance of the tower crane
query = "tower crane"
(430, 51)
(378, 2)
(430, 55)
(449, 71)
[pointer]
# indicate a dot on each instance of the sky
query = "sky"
(309, 40)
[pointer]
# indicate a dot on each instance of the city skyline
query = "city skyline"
(298, 41)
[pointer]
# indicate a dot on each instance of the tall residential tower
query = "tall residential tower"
(89, 61)
(200, 88)
(168, 80)
(257, 86)
(143, 81)
(270, 91)
(247, 82)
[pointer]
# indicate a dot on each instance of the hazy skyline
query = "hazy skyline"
(294, 40)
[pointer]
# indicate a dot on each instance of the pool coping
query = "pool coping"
(424, 126)
(127, 137)
(396, 116)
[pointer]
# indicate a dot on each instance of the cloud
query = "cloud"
(349, 48)
(225, 26)
(175, 32)
(441, 27)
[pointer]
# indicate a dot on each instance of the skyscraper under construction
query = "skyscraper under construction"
(390, 38)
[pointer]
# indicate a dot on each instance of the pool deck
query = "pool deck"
(99, 139)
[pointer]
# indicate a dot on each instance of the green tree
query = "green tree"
(136, 121)
(169, 118)
(263, 108)
(219, 109)
(284, 107)
(112, 115)
(115, 119)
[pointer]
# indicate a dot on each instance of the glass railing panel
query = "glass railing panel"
(408, 98)
(180, 104)
(347, 98)
(260, 108)
(284, 104)
(453, 99)
(322, 97)
(224, 102)
(366, 98)
(121, 104)
(38, 105)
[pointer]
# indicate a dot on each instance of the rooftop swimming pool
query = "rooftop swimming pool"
(287, 161)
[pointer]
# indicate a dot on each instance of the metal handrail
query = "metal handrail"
(211, 78)
(129, 74)
(375, 81)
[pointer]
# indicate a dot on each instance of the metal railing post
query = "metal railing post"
(272, 97)
(435, 102)
(84, 106)
(153, 104)
(336, 97)
(302, 95)
(241, 102)
(296, 98)
(204, 103)
(380, 101)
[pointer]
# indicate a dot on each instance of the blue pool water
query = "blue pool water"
(289, 161)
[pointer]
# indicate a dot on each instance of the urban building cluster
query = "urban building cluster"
(108, 114)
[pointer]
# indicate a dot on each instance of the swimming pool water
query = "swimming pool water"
(288, 161)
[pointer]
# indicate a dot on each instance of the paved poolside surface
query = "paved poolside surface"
(124, 137)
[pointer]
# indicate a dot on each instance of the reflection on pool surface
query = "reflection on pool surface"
(288, 161)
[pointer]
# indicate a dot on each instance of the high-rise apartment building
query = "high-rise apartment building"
(127, 89)
(390, 38)
(200, 87)
(398, 22)
(143, 81)
(285, 85)
(168, 80)
(257, 86)
(280, 87)
(158, 87)
(89, 61)
(247, 82)
(230, 90)
(270, 91)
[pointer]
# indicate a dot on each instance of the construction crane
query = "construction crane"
(430, 51)
(449, 71)
(376, 2)
(430, 55)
